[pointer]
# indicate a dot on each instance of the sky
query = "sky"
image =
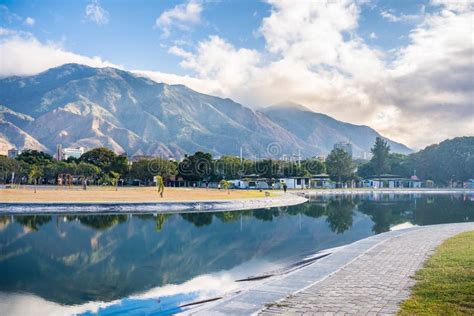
(405, 68)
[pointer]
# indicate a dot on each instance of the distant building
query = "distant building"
(72, 152)
(366, 155)
(469, 184)
(321, 181)
(137, 158)
(69, 152)
(347, 147)
(13, 153)
(392, 181)
(296, 182)
(59, 152)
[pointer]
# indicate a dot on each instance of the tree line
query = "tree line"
(445, 163)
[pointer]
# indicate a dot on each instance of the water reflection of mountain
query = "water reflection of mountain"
(74, 259)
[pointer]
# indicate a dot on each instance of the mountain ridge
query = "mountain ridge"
(78, 105)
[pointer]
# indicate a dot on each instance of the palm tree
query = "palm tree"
(115, 177)
(160, 185)
(225, 185)
(34, 174)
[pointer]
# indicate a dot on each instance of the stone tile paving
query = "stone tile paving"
(370, 276)
(374, 283)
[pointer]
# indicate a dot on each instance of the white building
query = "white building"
(392, 182)
(73, 152)
(251, 183)
(321, 181)
(295, 182)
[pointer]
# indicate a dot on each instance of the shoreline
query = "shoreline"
(164, 207)
(293, 197)
(355, 191)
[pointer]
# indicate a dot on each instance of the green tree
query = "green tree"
(34, 157)
(225, 185)
(101, 157)
(268, 168)
(314, 166)
(197, 167)
(34, 174)
(160, 185)
(339, 165)
(145, 170)
(120, 165)
(7, 167)
(398, 164)
(379, 159)
(87, 170)
(447, 162)
(229, 167)
(114, 178)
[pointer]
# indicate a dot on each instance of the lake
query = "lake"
(155, 263)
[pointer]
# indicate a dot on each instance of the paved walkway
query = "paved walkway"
(369, 277)
(375, 283)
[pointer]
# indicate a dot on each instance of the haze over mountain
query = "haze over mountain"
(323, 131)
(77, 105)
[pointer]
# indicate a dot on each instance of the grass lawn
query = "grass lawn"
(445, 286)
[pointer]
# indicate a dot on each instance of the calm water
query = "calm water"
(154, 263)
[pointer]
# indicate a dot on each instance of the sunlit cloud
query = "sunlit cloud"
(182, 16)
(23, 54)
(96, 14)
(30, 21)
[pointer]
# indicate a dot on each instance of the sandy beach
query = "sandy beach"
(126, 194)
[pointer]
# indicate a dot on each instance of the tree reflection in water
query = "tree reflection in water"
(339, 214)
(33, 222)
(198, 219)
(338, 210)
(106, 257)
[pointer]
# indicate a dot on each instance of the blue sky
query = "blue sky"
(399, 66)
(130, 38)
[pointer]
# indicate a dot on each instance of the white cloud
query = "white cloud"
(178, 51)
(314, 56)
(96, 14)
(455, 5)
(217, 60)
(30, 21)
(392, 17)
(419, 94)
(23, 54)
(431, 80)
(373, 35)
(181, 16)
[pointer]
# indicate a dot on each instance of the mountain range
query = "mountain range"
(77, 105)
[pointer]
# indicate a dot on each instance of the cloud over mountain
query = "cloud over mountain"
(313, 54)
(76, 105)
